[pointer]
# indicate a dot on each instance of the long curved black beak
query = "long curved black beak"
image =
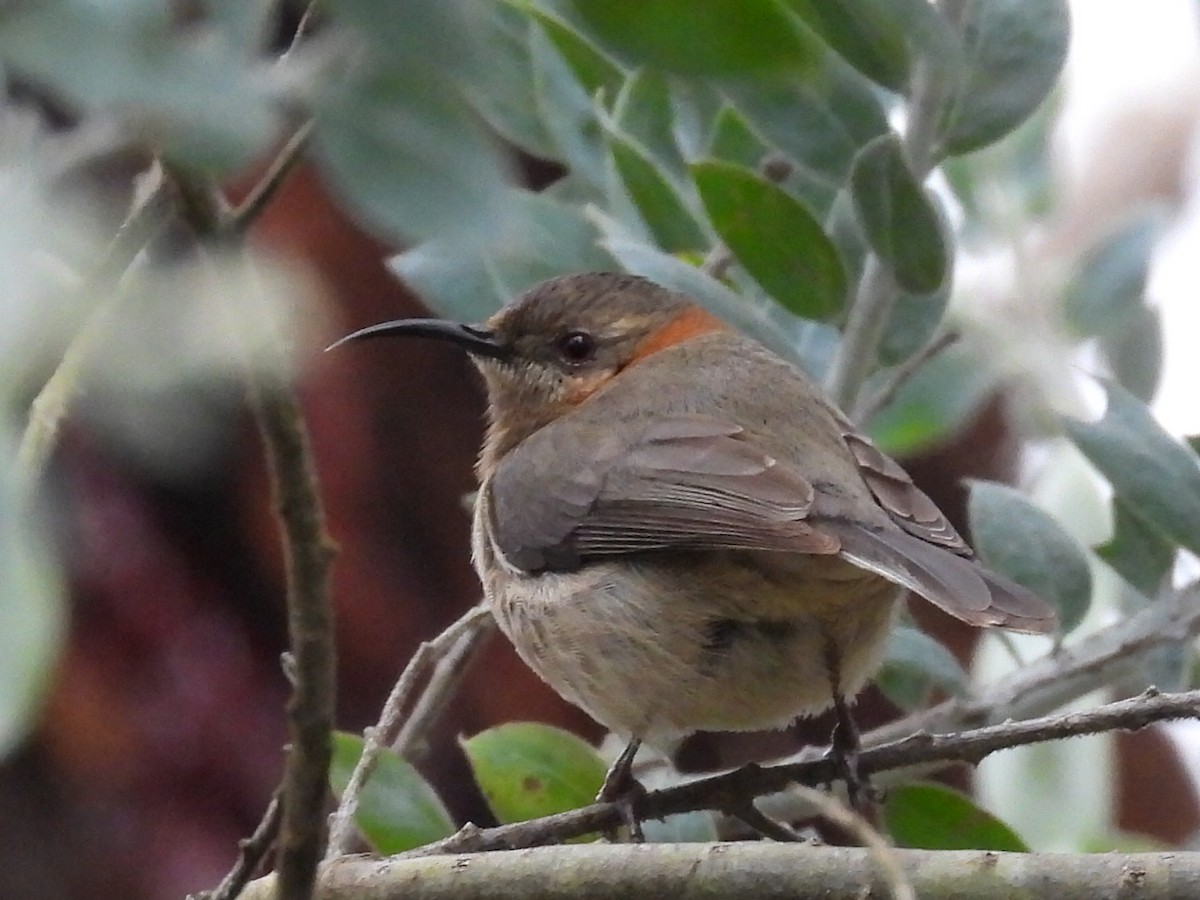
(476, 341)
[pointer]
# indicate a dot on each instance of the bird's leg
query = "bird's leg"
(621, 788)
(844, 742)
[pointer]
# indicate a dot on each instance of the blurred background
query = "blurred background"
(152, 738)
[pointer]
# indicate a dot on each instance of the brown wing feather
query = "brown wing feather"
(688, 482)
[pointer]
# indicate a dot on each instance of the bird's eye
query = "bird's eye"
(577, 346)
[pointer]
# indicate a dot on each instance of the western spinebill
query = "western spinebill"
(677, 530)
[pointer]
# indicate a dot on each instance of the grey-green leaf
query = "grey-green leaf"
(1138, 553)
(914, 663)
(398, 809)
(1156, 477)
(775, 238)
(1013, 51)
(898, 216)
(1111, 282)
(1025, 543)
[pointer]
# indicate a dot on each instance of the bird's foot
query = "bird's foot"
(844, 747)
(625, 792)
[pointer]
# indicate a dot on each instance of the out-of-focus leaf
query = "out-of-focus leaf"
(734, 141)
(643, 111)
(694, 108)
(545, 238)
(657, 201)
(933, 404)
(914, 663)
(441, 38)
(527, 770)
(567, 110)
(819, 123)
(197, 97)
(32, 613)
(701, 37)
(398, 809)
(915, 320)
(898, 217)
(1013, 53)
(1135, 353)
(504, 97)
(1111, 282)
(1025, 543)
(594, 69)
(935, 817)
(864, 34)
(1156, 478)
(774, 237)
(409, 158)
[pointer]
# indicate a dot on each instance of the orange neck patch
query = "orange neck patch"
(692, 322)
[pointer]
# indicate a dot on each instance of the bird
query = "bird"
(679, 532)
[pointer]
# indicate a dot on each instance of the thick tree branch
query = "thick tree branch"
(752, 870)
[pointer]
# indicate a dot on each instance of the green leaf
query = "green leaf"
(734, 141)
(701, 37)
(1019, 540)
(1157, 478)
(935, 817)
(398, 809)
(594, 69)
(865, 33)
(1013, 51)
(932, 405)
(409, 158)
(898, 217)
(1111, 283)
(527, 770)
(774, 237)
(658, 203)
(914, 662)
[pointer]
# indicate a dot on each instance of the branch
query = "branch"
(900, 375)
(750, 870)
(250, 854)
(730, 788)
(309, 553)
(285, 161)
(468, 630)
(877, 291)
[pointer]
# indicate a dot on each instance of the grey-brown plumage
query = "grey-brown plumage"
(676, 529)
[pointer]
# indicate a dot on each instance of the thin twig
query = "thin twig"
(261, 195)
(899, 376)
(341, 830)
(250, 853)
(448, 675)
(758, 821)
(868, 836)
(754, 781)
(877, 290)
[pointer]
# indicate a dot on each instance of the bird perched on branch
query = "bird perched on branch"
(675, 528)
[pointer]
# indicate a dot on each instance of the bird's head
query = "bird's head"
(559, 344)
